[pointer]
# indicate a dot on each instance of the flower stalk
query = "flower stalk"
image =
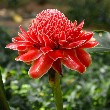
(3, 102)
(54, 81)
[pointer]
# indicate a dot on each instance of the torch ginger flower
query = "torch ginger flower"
(52, 40)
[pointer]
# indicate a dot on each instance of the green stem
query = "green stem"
(3, 102)
(54, 81)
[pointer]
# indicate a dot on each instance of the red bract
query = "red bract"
(52, 40)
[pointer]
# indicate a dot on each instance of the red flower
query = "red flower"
(52, 40)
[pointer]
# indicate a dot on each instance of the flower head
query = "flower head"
(52, 40)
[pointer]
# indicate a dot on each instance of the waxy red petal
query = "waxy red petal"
(25, 35)
(40, 38)
(74, 23)
(63, 43)
(22, 36)
(17, 39)
(84, 57)
(14, 46)
(21, 48)
(57, 66)
(23, 31)
(62, 35)
(72, 62)
(79, 27)
(90, 44)
(56, 54)
(21, 52)
(33, 37)
(47, 40)
(86, 36)
(62, 39)
(74, 44)
(30, 56)
(45, 49)
(40, 66)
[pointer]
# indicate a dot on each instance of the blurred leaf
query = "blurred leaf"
(17, 18)
(94, 17)
(103, 37)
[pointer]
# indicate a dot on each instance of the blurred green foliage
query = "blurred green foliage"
(90, 91)
(6, 55)
(103, 37)
(95, 12)
(19, 3)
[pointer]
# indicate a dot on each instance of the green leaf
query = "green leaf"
(103, 37)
